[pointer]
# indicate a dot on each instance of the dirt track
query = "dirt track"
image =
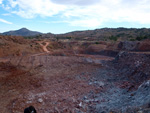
(44, 46)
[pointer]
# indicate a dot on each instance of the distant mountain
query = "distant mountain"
(22, 32)
(97, 34)
(105, 34)
(108, 32)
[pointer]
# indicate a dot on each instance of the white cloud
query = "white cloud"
(5, 21)
(6, 14)
(1, 1)
(32, 8)
(90, 23)
(84, 13)
(76, 2)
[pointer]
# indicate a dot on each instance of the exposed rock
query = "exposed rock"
(40, 100)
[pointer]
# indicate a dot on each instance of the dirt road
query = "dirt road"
(44, 45)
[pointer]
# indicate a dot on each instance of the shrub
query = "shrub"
(139, 38)
(114, 38)
(96, 42)
(132, 39)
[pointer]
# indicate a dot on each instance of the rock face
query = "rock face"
(134, 65)
(134, 46)
(126, 85)
(128, 45)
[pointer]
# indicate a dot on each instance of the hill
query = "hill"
(22, 32)
(104, 34)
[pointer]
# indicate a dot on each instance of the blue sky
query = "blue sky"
(60, 16)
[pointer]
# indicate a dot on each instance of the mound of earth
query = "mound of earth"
(17, 46)
(135, 45)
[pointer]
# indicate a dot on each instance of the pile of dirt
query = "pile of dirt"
(83, 47)
(101, 48)
(144, 45)
(134, 45)
(17, 46)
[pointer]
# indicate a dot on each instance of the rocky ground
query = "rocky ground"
(74, 82)
(50, 83)
(125, 83)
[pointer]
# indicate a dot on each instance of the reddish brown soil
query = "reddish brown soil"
(55, 77)
(50, 83)
(17, 46)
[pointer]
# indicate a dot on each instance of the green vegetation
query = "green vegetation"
(139, 38)
(65, 37)
(114, 38)
(132, 39)
(28, 37)
(96, 42)
(107, 34)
